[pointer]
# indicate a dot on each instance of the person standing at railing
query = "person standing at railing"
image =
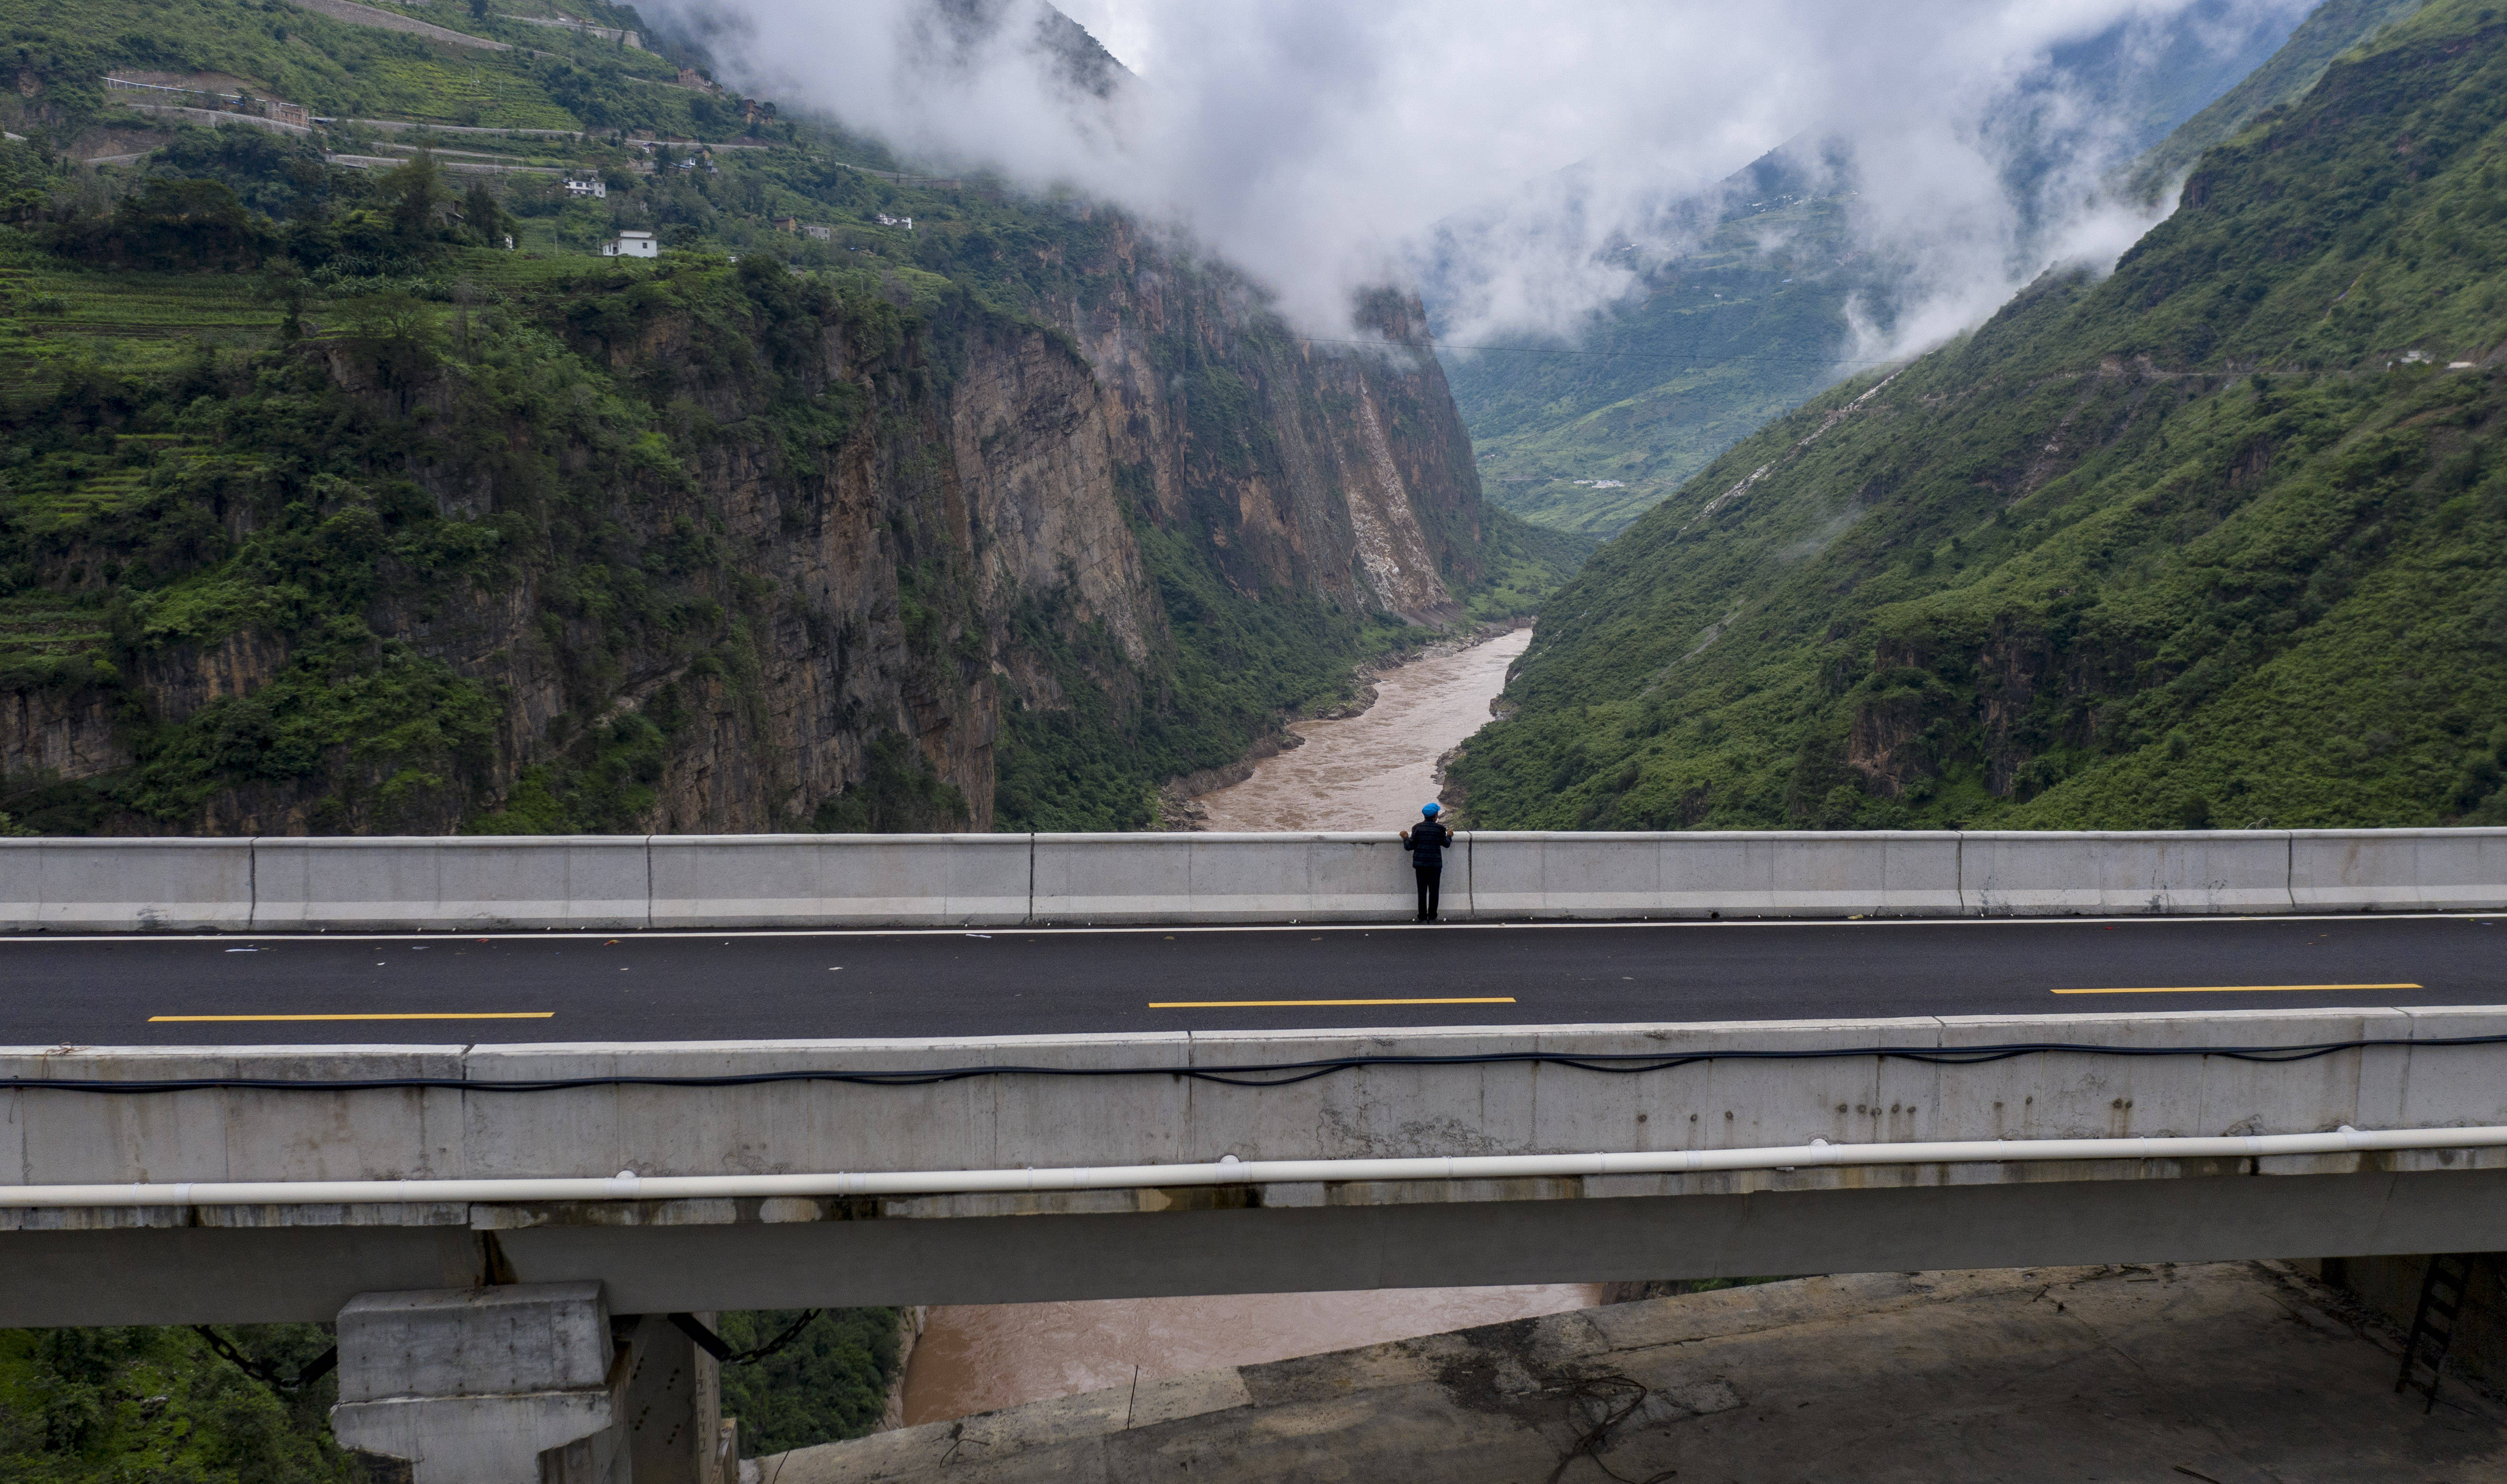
(1429, 840)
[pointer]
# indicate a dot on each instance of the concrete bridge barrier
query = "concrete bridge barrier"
(837, 880)
(2007, 873)
(124, 886)
(2401, 870)
(1228, 878)
(593, 882)
(613, 883)
(1737, 873)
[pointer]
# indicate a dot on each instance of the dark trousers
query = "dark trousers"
(1428, 876)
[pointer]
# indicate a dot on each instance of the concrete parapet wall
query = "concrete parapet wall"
(2435, 870)
(110, 886)
(610, 883)
(557, 880)
(791, 881)
(299, 1262)
(1563, 875)
(1224, 877)
(1021, 1119)
(214, 118)
(2021, 873)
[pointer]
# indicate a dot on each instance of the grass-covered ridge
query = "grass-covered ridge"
(2221, 539)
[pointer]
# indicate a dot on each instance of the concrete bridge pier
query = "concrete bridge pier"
(514, 1385)
(676, 1431)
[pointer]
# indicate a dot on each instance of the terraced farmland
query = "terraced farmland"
(59, 492)
(490, 90)
(50, 625)
(51, 315)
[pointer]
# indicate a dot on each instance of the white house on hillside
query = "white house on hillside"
(596, 188)
(631, 244)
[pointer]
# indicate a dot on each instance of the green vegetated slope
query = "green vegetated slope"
(2220, 541)
(2331, 29)
(85, 1407)
(321, 512)
(1718, 341)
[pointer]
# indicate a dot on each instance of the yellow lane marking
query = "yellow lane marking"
(2243, 989)
(417, 1015)
(1234, 1004)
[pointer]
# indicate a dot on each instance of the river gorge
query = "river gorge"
(1367, 772)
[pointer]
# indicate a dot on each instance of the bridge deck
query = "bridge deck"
(543, 987)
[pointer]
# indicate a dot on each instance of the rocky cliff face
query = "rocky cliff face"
(1336, 469)
(759, 552)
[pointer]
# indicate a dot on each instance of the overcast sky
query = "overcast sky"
(1317, 142)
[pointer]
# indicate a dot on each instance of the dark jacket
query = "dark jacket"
(1428, 842)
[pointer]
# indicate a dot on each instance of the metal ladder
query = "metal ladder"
(2443, 1288)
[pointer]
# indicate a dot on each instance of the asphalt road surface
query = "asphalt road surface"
(443, 989)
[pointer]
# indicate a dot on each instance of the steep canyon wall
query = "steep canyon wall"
(696, 547)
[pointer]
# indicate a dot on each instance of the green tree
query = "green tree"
(416, 199)
(486, 216)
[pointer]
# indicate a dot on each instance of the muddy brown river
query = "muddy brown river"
(1367, 772)
(1372, 771)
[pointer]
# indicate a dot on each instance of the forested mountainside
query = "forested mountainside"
(938, 508)
(1751, 322)
(2219, 540)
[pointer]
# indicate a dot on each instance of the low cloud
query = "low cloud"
(1533, 158)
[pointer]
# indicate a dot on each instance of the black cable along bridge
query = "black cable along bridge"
(1269, 1073)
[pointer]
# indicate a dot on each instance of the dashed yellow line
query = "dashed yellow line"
(2243, 989)
(408, 1015)
(1235, 1004)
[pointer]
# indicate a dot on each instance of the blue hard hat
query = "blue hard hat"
(1431, 810)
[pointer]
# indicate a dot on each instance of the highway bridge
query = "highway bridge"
(554, 1101)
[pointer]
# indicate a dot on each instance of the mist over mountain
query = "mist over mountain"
(1319, 147)
(1830, 254)
(1732, 209)
(1954, 194)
